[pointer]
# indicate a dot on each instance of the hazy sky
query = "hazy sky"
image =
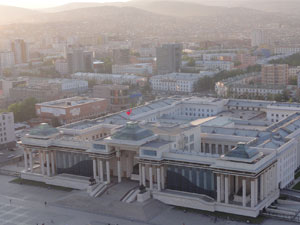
(47, 3)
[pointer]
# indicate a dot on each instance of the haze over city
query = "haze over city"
(150, 112)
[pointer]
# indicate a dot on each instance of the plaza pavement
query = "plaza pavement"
(77, 208)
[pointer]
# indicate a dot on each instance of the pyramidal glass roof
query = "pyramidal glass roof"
(242, 152)
(44, 130)
(132, 132)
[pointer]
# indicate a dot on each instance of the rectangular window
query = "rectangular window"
(99, 146)
(192, 137)
(149, 152)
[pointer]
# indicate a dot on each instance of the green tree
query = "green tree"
(24, 110)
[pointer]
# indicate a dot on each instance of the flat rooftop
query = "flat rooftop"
(70, 102)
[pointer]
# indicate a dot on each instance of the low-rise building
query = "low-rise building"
(111, 78)
(177, 82)
(70, 110)
(137, 69)
(215, 65)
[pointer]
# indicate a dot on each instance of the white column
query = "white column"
(162, 177)
(107, 171)
(218, 188)
(223, 149)
(204, 180)
(150, 177)
(252, 194)
(25, 160)
(244, 192)
(119, 171)
(261, 187)
(64, 157)
(265, 177)
(256, 191)
(236, 184)
(94, 168)
(158, 179)
(140, 174)
(101, 177)
(30, 161)
(52, 163)
(48, 164)
(143, 175)
(210, 148)
(226, 190)
(42, 162)
(222, 187)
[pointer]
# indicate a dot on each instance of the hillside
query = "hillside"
(10, 14)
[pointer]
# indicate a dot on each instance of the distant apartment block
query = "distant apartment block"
(286, 50)
(7, 130)
(21, 52)
(215, 65)
(61, 66)
(169, 58)
(117, 96)
(79, 60)
(176, 82)
(7, 60)
(137, 69)
(259, 37)
(111, 78)
(72, 109)
(121, 56)
(276, 74)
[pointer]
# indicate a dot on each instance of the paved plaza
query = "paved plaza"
(27, 207)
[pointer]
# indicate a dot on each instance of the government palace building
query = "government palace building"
(211, 154)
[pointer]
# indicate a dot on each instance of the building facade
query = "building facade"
(202, 153)
(169, 58)
(275, 74)
(116, 95)
(21, 52)
(72, 109)
(7, 130)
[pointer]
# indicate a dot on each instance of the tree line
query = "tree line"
(208, 83)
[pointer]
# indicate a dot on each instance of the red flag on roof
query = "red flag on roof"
(129, 112)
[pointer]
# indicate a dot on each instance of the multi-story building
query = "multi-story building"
(176, 82)
(70, 110)
(111, 78)
(121, 56)
(61, 66)
(7, 60)
(169, 58)
(137, 69)
(42, 93)
(79, 60)
(7, 130)
(202, 153)
(286, 50)
(9, 83)
(21, 52)
(215, 65)
(294, 71)
(260, 37)
(117, 96)
(247, 86)
(276, 74)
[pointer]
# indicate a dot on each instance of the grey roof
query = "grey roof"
(242, 151)
(132, 132)
(156, 143)
(44, 130)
